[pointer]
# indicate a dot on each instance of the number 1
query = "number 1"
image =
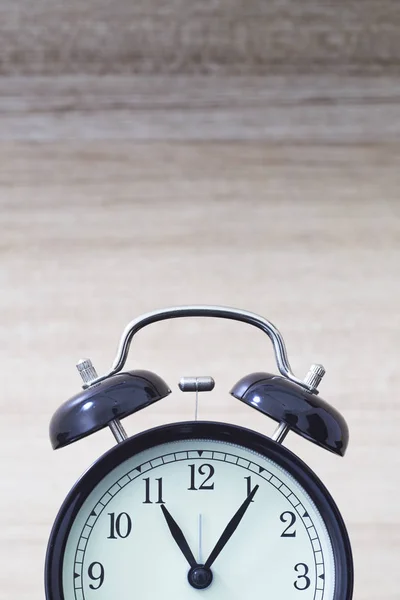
(249, 488)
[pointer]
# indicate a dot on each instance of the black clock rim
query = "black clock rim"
(223, 432)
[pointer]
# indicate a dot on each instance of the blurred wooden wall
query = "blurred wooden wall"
(181, 36)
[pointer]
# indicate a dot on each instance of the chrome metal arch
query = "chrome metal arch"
(221, 312)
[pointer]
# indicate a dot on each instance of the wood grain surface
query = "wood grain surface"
(192, 36)
(281, 109)
(296, 219)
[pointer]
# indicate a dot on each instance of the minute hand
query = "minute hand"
(230, 529)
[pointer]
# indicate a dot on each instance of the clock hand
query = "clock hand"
(230, 529)
(178, 536)
(200, 552)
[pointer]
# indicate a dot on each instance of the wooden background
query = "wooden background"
(245, 154)
(209, 36)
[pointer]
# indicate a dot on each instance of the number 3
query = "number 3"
(307, 581)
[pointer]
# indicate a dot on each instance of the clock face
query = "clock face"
(200, 508)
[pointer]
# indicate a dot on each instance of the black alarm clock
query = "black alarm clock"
(199, 509)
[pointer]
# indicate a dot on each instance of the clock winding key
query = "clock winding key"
(89, 375)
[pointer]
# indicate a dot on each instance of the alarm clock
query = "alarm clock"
(199, 509)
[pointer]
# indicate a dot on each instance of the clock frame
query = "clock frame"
(294, 403)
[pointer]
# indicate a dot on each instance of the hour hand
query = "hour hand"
(178, 536)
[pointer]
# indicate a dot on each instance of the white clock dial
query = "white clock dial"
(120, 545)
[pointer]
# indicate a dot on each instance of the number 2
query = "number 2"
(285, 517)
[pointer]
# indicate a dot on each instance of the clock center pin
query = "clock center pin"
(200, 577)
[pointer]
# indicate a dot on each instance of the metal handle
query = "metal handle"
(221, 312)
